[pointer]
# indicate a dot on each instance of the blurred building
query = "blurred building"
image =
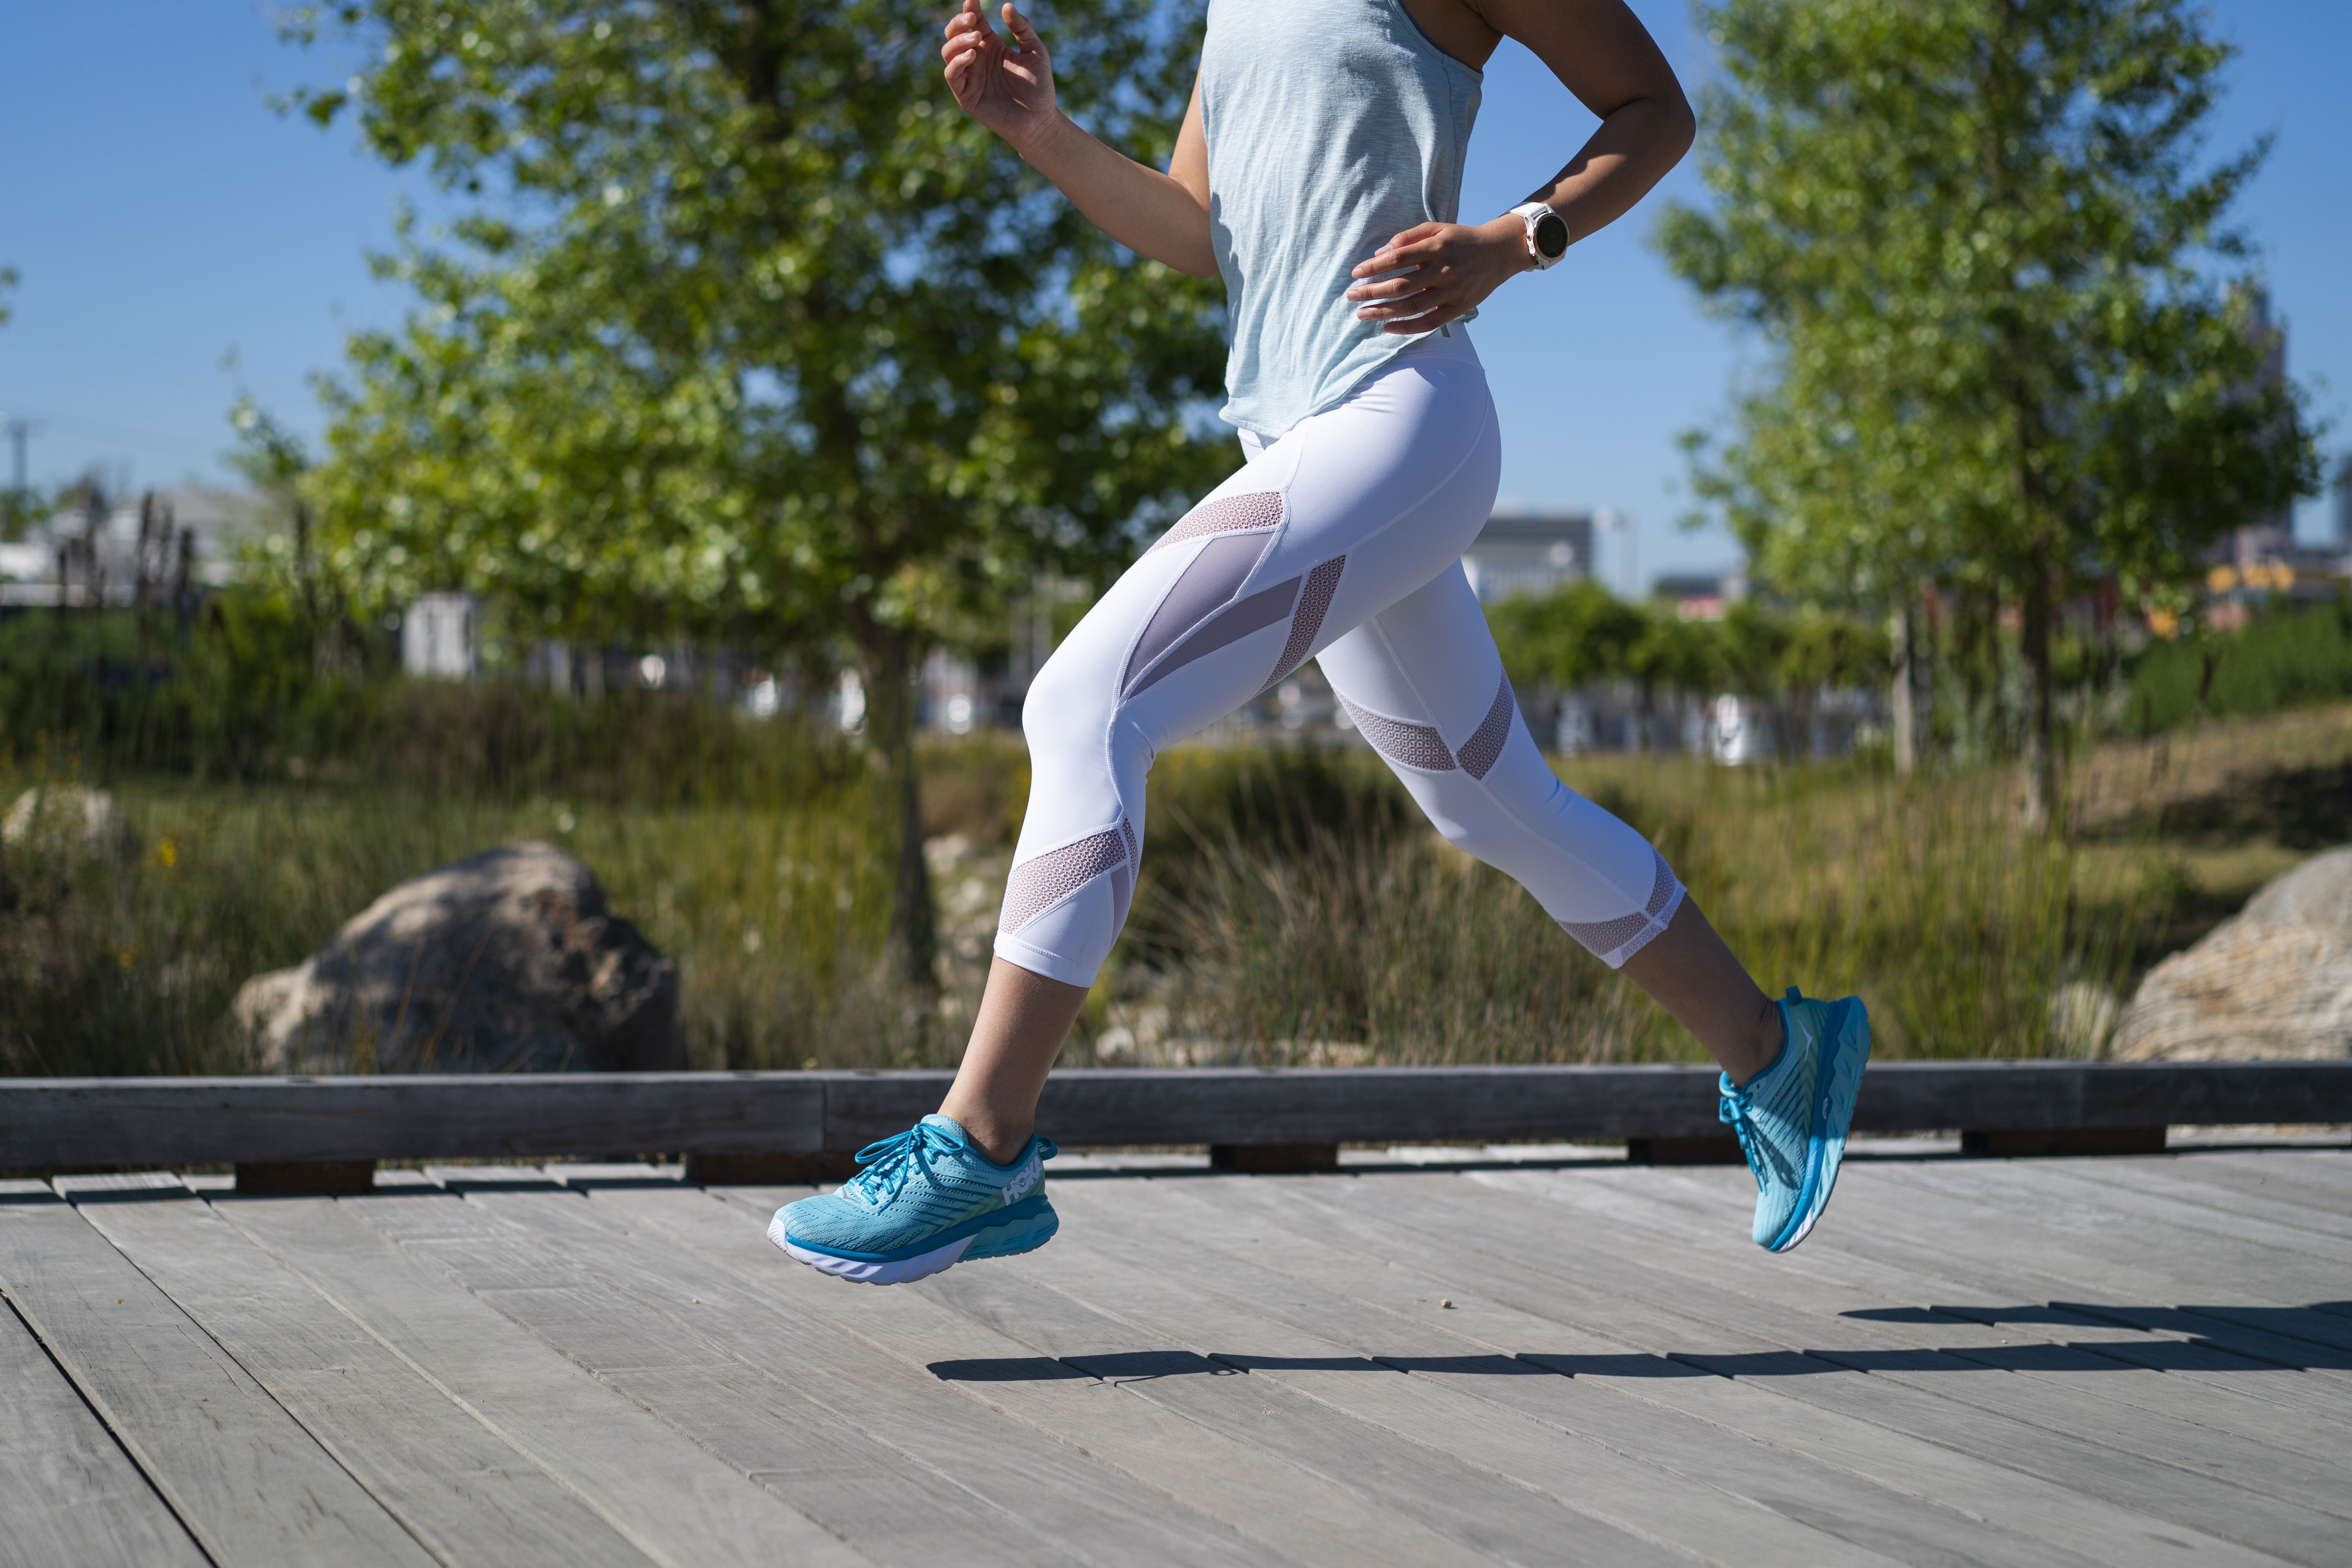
(1528, 553)
(441, 635)
(97, 550)
(2340, 539)
(1701, 595)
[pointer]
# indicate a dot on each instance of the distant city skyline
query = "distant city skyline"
(180, 244)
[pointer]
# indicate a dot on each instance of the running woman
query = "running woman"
(1319, 173)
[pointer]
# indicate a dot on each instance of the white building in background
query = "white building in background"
(151, 550)
(1528, 553)
(441, 635)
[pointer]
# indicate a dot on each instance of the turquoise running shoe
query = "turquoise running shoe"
(927, 1200)
(1792, 1117)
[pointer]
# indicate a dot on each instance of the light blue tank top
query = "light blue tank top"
(1333, 125)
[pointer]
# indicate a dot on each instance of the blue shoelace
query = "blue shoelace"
(892, 1160)
(1735, 1109)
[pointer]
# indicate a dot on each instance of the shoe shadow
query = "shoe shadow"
(2228, 1338)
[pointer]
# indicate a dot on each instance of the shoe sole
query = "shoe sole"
(1833, 1108)
(1025, 1234)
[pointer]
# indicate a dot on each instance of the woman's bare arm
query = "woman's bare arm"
(1603, 55)
(1011, 92)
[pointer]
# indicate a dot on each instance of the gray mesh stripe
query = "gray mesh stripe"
(1214, 576)
(1122, 888)
(1479, 751)
(1605, 937)
(1235, 622)
(1414, 745)
(1321, 584)
(1134, 854)
(1226, 514)
(1037, 885)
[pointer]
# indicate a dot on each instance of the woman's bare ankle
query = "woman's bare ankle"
(997, 1137)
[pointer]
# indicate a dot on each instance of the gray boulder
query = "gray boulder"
(70, 819)
(508, 961)
(2273, 980)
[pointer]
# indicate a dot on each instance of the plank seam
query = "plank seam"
(106, 1426)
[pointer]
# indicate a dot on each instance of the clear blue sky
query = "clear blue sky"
(179, 243)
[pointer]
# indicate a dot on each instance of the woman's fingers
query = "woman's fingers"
(1019, 26)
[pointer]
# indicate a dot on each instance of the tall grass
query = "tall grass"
(1295, 905)
(1967, 937)
(2286, 659)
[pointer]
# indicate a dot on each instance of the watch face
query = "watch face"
(1551, 236)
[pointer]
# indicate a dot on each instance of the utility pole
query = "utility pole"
(18, 429)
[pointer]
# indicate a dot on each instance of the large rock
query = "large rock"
(2273, 980)
(70, 819)
(504, 962)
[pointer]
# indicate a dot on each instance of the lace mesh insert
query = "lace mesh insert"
(1479, 751)
(1227, 514)
(1037, 885)
(1411, 745)
(1603, 938)
(1322, 583)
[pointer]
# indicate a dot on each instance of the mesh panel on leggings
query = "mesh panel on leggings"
(1414, 745)
(1134, 856)
(1479, 751)
(1605, 937)
(1227, 514)
(1037, 885)
(1314, 603)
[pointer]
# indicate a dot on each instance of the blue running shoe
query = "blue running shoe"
(927, 1200)
(1792, 1117)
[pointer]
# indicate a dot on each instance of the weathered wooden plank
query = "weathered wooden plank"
(1035, 1483)
(198, 1120)
(2318, 1182)
(1931, 1235)
(2134, 1260)
(1148, 1343)
(676, 1503)
(68, 1491)
(1895, 1435)
(1297, 1337)
(241, 1474)
(2108, 1385)
(2253, 1201)
(1283, 1510)
(756, 1417)
(455, 1482)
(2144, 1204)
(2087, 1443)
(310, 1120)
(1388, 1309)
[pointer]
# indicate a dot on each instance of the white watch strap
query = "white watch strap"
(1530, 214)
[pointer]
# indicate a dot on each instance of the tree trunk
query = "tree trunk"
(1905, 716)
(2041, 750)
(887, 660)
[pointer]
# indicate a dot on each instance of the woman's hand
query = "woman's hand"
(1010, 93)
(1433, 273)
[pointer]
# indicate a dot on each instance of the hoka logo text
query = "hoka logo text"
(1023, 1180)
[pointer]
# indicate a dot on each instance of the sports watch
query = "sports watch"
(1546, 233)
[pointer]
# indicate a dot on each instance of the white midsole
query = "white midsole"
(893, 1273)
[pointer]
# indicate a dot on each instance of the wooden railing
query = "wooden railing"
(327, 1133)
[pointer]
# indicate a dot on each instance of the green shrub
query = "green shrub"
(2288, 658)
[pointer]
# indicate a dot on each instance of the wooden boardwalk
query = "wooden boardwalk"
(2126, 1361)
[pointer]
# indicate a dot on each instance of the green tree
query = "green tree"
(1580, 632)
(750, 335)
(1976, 240)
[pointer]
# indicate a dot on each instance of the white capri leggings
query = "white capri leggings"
(1341, 540)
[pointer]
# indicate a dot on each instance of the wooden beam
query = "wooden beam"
(50, 1122)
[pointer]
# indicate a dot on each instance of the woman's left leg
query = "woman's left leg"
(1424, 684)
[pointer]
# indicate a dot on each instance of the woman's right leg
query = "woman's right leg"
(1355, 508)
